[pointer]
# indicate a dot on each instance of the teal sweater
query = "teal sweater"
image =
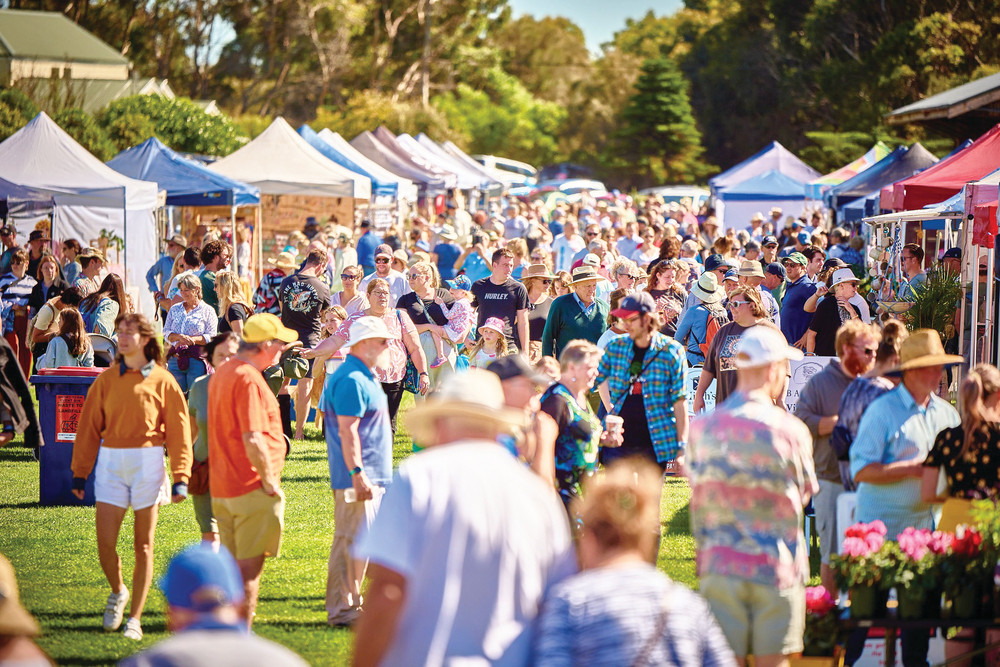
(567, 322)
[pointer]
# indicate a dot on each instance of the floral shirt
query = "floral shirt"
(751, 473)
(202, 320)
(398, 323)
(461, 318)
(577, 440)
(265, 299)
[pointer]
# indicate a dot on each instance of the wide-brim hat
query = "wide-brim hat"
(923, 348)
(88, 253)
(177, 239)
(536, 271)
(584, 274)
(707, 288)
(844, 275)
(284, 260)
(757, 217)
(475, 394)
(448, 233)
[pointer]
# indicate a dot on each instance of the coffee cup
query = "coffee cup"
(614, 424)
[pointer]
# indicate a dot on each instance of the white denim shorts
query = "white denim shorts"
(135, 477)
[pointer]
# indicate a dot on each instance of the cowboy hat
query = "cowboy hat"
(583, 274)
(284, 260)
(707, 288)
(757, 217)
(923, 348)
(475, 394)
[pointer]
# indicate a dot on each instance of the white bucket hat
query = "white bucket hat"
(761, 345)
(843, 276)
(367, 327)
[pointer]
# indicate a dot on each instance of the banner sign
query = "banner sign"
(68, 410)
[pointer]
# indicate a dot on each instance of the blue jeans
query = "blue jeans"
(196, 368)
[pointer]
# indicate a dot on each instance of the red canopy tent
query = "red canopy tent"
(984, 224)
(947, 177)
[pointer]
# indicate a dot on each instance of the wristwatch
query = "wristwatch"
(424, 373)
(356, 471)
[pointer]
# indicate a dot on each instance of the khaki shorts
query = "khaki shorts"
(757, 619)
(250, 525)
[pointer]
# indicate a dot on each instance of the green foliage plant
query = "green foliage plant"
(86, 131)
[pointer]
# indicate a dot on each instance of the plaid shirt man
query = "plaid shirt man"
(663, 386)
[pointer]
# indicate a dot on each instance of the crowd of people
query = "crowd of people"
(553, 365)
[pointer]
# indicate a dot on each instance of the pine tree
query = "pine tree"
(659, 137)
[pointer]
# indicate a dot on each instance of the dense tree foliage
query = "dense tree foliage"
(817, 75)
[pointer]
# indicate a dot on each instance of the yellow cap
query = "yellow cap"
(264, 327)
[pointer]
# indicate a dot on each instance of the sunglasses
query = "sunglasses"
(546, 281)
(381, 260)
(593, 234)
(348, 276)
(736, 304)
(413, 276)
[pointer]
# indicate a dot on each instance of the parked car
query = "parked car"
(676, 193)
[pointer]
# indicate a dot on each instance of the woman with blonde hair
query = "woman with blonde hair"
(621, 610)
(537, 279)
(233, 302)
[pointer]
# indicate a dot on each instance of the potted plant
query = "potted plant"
(917, 579)
(864, 568)
(967, 573)
(820, 637)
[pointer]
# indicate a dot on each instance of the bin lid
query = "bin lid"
(71, 371)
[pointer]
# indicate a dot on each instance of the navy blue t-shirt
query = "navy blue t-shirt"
(794, 319)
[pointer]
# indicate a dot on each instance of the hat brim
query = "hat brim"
(929, 360)
(281, 264)
(489, 328)
(588, 279)
(790, 354)
(550, 276)
(707, 297)
(624, 313)
(849, 280)
(420, 420)
(750, 274)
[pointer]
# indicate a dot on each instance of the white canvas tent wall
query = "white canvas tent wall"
(89, 196)
(407, 188)
(280, 162)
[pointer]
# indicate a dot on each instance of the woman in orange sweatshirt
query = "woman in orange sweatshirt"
(132, 412)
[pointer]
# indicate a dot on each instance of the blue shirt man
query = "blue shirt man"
(158, 276)
(794, 319)
(366, 248)
(447, 253)
(359, 451)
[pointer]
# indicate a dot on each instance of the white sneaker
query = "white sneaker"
(133, 630)
(114, 611)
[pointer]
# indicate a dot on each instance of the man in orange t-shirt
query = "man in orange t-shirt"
(246, 450)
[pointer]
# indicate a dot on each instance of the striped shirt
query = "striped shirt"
(894, 428)
(606, 617)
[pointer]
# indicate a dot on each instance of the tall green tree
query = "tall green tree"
(659, 136)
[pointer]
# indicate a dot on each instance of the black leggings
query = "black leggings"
(394, 393)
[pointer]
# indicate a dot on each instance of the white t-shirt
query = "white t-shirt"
(398, 285)
(564, 249)
(479, 539)
(607, 337)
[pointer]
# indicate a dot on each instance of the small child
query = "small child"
(460, 316)
(331, 318)
(492, 344)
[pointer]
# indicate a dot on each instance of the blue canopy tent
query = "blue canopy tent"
(902, 163)
(186, 182)
(380, 186)
(757, 194)
(862, 207)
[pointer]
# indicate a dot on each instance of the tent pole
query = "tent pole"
(236, 243)
(260, 241)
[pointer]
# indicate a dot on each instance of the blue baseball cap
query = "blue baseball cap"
(732, 274)
(201, 579)
(769, 240)
(776, 269)
(714, 262)
(634, 304)
(459, 282)
(804, 238)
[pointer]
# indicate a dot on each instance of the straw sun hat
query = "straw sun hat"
(923, 348)
(475, 394)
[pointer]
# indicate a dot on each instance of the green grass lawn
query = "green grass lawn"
(54, 553)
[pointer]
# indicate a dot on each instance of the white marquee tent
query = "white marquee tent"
(280, 162)
(89, 196)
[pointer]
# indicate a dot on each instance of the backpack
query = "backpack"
(715, 322)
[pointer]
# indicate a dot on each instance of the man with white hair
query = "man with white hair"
(467, 540)
(359, 451)
(753, 557)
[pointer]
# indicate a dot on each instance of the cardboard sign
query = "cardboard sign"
(68, 410)
(801, 372)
